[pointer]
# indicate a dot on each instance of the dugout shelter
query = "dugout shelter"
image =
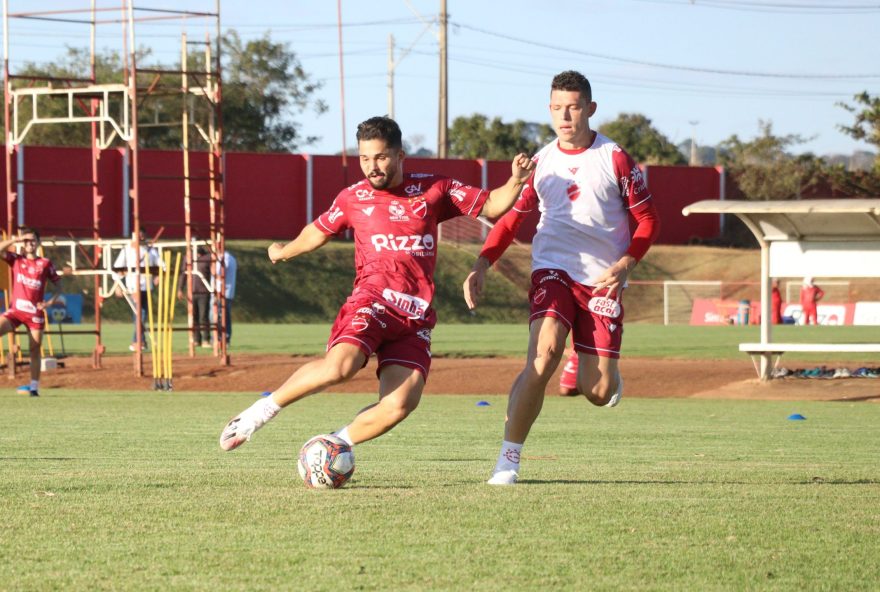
(826, 238)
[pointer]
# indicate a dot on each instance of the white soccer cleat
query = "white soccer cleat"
(240, 428)
(238, 431)
(504, 477)
(615, 398)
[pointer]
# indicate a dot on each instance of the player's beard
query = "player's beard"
(382, 182)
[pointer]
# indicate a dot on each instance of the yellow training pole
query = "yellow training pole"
(148, 278)
(163, 294)
(171, 296)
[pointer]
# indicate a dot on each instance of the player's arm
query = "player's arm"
(501, 199)
(640, 206)
(499, 238)
(4, 245)
(310, 239)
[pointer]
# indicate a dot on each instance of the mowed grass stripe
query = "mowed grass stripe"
(129, 491)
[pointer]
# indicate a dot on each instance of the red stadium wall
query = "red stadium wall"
(270, 196)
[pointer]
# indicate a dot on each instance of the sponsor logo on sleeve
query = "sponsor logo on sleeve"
(638, 180)
(333, 214)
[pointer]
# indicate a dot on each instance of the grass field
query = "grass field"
(674, 341)
(129, 491)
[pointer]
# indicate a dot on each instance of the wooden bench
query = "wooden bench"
(756, 350)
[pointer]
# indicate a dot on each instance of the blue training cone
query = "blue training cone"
(482, 403)
(796, 417)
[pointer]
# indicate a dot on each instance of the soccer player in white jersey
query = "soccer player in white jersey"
(394, 216)
(588, 191)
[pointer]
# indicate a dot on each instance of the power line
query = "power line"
(570, 50)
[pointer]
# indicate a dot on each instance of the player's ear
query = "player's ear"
(591, 108)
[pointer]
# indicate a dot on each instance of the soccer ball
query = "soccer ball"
(326, 462)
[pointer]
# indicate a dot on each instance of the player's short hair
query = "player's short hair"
(381, 128)
(28, 230)
(572, 81)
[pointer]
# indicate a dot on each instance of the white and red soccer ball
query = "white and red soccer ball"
(326, 462)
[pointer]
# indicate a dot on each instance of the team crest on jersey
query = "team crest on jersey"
(397, 213)
(419, 207)
(360, 323)
(573, 191)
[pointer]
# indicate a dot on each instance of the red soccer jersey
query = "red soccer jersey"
(395, 234)
(29, 280)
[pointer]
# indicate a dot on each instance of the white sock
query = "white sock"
(343, 435)
(263, 410)
(508, 458)
(35, 385)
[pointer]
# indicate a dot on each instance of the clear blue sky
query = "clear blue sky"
(725, 64)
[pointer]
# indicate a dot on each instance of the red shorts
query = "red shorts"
(556, 295)
(30, 320)
(369, 324)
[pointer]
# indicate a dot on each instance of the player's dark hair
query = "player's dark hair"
(28, 230)
(381, 128)
(572, 81)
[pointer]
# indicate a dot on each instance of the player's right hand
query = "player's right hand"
(473, 288)
(275, 252)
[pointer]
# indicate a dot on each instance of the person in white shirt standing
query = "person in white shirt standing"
(124, 269)
(588, 191)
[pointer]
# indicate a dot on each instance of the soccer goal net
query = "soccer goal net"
(679, 296)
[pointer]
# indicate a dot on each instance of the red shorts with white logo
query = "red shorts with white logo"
(372, 326)
(597, 328)
(30, 320)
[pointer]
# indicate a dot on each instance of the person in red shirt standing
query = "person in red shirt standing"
(30, 275)
(775, 304)
(395, 216)
(810, 295)
(588, 190)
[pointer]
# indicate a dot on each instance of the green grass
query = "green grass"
(674, 341)
(130, 491)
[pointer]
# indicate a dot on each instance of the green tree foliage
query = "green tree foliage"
(264, 86)
(634, 132)
(764, 168)
(867, 122)
(478, 137)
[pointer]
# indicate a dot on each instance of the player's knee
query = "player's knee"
(601, 392)
(547, 359)
(397, 411)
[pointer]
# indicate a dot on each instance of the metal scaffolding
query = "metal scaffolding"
(112, 111)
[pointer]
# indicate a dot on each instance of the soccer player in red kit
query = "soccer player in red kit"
(588, 190)
(811, 294)
(394, 216)
(30, 274)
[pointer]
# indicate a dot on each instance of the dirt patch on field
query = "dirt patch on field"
(645, 377)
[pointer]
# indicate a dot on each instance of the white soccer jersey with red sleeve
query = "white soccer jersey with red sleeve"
(395, 234)
(585, 197)
(29, 277)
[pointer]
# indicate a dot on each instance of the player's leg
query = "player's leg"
(341, 363)
(568, 386)
(400, 390)
(6, 325)
(599, 379)
(546, 344)
(36, 340)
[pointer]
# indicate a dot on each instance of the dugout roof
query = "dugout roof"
(812, 220)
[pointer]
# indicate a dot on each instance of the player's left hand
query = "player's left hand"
(522, 166)
(275, 252)
(614, 278)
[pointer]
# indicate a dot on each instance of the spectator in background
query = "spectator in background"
(30, 275)
(124, 269)
(776, 304)
(201, 297)
(810, 295)
(231, 266)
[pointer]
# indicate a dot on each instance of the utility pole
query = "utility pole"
(443, 123)
(695, 159)
(391, 65)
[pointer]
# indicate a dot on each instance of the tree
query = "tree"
(764, 169)
(477, 137)
(264, 86)
(867, 124)
(634, 132)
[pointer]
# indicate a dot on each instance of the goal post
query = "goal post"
(679, 296)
